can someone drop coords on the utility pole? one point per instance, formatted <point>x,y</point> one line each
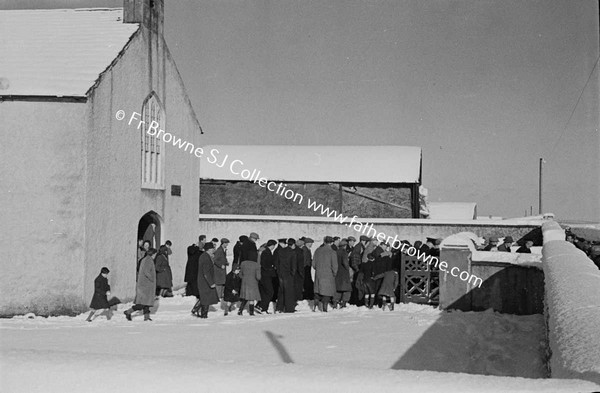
<point>540,187</point>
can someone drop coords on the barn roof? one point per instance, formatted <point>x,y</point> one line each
<point>349,164</point>
<point>58,52</point>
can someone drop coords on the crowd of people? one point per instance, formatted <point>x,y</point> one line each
<point>275,276</point>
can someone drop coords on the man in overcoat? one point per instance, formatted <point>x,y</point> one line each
<point>268,276</point>
<point>286,266</point>
<point>206,280</point>
<point>145,288</point>
<point>355,260</point>
<point>309,286</point>
<point>326,267</point>
<point>343,285</point>
<point>220,261</point>
<point>191,267</point>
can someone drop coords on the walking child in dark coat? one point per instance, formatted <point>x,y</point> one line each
<point>233,285</point>
<point>101,294</point>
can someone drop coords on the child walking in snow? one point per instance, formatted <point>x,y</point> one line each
<point>100,300</point>
<point>233,285</point>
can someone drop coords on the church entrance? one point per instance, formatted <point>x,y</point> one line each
<point>149,228</point>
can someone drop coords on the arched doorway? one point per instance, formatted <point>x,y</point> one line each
<point>149,228</point>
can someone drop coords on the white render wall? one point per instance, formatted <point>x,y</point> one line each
<point>116,201</point>
<point>42,200</point>
<point>572,302</point>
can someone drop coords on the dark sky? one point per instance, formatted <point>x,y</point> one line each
<point>486,88</point>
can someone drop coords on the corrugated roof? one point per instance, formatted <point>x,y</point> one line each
<point>350,164</point>
<point>58,52</point>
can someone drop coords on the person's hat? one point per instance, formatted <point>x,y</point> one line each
<point>431,240</point>
<point>215,240</point>
<point>364,238</point>
<point>291,241</point>
<point>282,240</point>
<point>308,240</point>
<point>493,239</point>
<point>508,239</point>
<point>104,270</point>
<point>328,239</point>
<point>271,242</point>
<point>343,242</point>
<point>243,238</point>
<point>254,235</point>
<point>336,238</point>
<point>209,246</point>
<point>224,240</point>
<point>437,242</point>
<point>351,239</point>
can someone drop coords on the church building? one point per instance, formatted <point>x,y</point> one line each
<point>81,183</point>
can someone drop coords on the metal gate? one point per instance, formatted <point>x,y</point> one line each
<point>419,283</point>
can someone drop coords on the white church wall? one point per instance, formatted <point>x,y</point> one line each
<point>116,201</point>
<point>42,199</point>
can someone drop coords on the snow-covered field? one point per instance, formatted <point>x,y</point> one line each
<point>414,348</point>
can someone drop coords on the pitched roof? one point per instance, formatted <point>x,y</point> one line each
<point>348,164</point>
<point>58,52</point>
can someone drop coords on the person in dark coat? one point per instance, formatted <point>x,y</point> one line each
<point>220,261</point>
<point>191,268</point>
<point>299,275</point>
<point>206,280</point>
<point>286,265</point>
<point>268,276</point>
<point>355,262</point>
<point>249,293</point>
<point>343,285</point>
<point>237,251</point>
<point>164,276</point>
<point>233,285</point>
<point>249,251</point>
<point>505,246</point>
<point>308,292</point>
<point>101,294</point>
<point>365,283</point>
<point>387,291</point>
<point>146,244</point>
<point>145,288</point>
<point>525,248</point>
<point>326,266</point>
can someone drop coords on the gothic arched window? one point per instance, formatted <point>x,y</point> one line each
<point>152,148</point>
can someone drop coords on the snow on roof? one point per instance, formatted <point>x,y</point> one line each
<point>351,164</point>
<point>58,52</point>
<point>452,210</point>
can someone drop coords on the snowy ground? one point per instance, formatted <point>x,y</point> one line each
<point>342,351</point>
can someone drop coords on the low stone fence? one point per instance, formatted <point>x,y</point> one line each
<point>512,283</point>
<point>572,308</point>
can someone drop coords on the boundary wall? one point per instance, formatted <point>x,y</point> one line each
<point>572,307</point>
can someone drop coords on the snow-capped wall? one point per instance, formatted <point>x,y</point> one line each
<point>572,285</point>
